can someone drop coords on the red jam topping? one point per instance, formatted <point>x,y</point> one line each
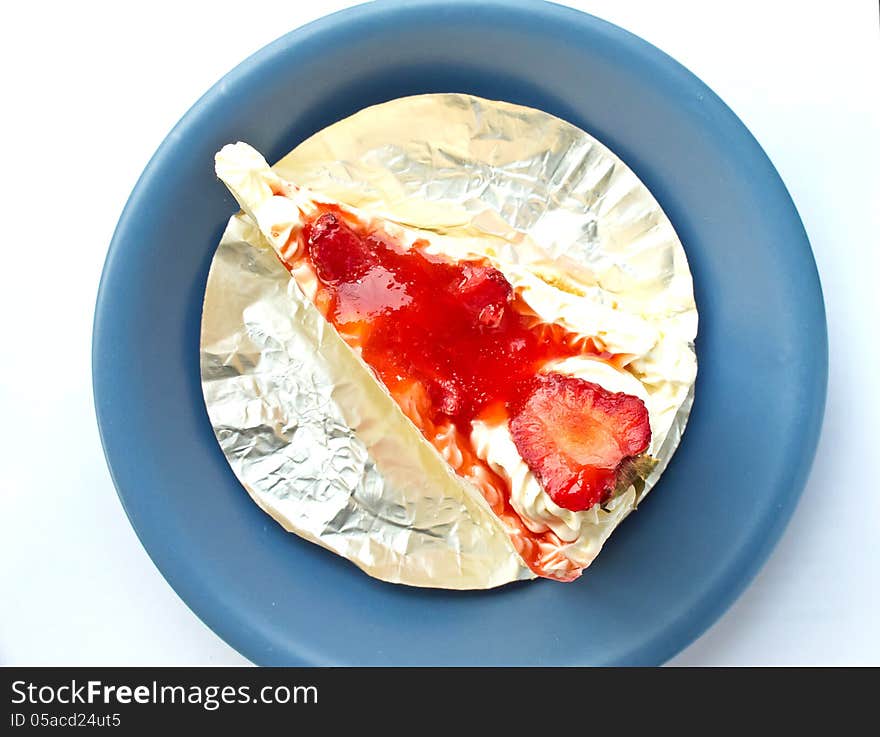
<point>455,327</point>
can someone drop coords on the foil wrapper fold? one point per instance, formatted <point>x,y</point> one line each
<point>313,437</point>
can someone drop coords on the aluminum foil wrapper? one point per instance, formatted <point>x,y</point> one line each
<point>315,440</point>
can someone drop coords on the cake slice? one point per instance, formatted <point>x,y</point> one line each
<point>526,393</point>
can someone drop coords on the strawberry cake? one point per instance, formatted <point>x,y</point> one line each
<point>546,402</point>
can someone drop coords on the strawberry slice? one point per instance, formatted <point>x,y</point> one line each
<point>484,292</point>
<point>578,438</point>
<point>338,253</point>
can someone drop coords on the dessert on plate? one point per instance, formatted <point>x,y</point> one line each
<point>545,400</point>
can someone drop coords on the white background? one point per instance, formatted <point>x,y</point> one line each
<point>89,91</point>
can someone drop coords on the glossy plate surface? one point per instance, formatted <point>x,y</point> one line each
<point>674,566</point>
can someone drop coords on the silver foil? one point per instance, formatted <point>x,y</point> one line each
<point>314,439</point>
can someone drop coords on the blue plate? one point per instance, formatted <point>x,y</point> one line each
<point>673,567</point>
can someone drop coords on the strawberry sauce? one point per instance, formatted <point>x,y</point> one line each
<point>454,327</point>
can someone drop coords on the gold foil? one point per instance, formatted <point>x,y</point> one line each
<point>313,437</point>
